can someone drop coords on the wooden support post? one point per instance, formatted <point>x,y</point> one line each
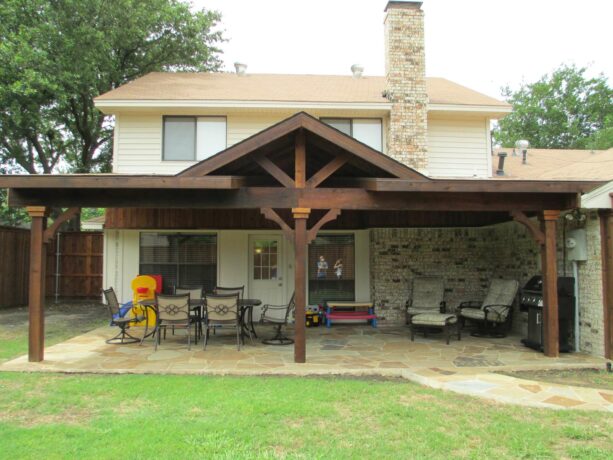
<point>300,246</point>
<point>549,262</point>
<point>606,241</point>
<point>38,259</point>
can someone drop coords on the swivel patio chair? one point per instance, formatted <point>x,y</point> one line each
<point>279,316</point>
<point>118,318</point>
<point>426,297</point>
<point>493,315</point>
<point>173,311</point>
<point>221,310</point>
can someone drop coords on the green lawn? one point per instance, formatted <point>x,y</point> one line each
<point>139,416</point>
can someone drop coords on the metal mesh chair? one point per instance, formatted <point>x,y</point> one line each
<point>173,310</point>
<point>118,319</point>
<point>221,310</point>
<point>279,316</point>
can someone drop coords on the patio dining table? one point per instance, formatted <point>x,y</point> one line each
<point>196,305</point>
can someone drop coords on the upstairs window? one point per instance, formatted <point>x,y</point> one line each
<point>366,130</point>
<point>193,138</point>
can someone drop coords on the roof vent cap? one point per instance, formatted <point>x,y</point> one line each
<point>240,67</point>
<point>357,70</point>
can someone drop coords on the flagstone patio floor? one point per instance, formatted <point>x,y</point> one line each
<point>465,366</point>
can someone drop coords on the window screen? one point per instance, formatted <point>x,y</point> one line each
<point>191,138</point>
<point>366,130</point>
<point>181,259</point>
<point>342,124</point>
<point>331,268</point>
<point>179,138</point>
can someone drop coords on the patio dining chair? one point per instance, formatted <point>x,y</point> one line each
<point>118,318</point>
<point>221,310</point>
<point>196,294</point>
<point>278,315</point>
<point>173,310</point>
<point>492,315</point>
<point>427,296</point>
<point>240,290</point>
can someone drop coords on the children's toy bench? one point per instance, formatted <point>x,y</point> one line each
<point>350,310</point>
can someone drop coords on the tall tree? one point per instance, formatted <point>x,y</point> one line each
<point>57,55</point>
<point>562,110</point>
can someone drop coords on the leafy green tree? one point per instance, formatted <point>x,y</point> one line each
<point>561,110</point>
<point>57,55</point>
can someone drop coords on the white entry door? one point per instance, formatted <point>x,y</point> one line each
<point>266,270</point>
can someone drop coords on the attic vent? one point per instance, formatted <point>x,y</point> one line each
<point>357,70</point>
<point>240,68</point>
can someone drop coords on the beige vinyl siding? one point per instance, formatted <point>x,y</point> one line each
<point>458,147</point>
<point>138,137</point>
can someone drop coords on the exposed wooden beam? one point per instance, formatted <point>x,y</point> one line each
<point>120,181</point>
<point>606,248</point>
<point>52,230</point>
<point>275,171</point>
<point>476,185</point>
<point>300,285</point>
<point>327,171</point>
<point>331,215</point>
<point>549,264</point>
<point>286,198</point>
<point>532,227</point>
<point>36,294</point>
<point>272,215</point>
<point>300,159</point>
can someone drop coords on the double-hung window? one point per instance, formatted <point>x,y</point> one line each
<point>366,130</point>
<point>193,138</point>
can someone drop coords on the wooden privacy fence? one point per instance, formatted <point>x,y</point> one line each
<point>79,265</point>
<point>14,264</point>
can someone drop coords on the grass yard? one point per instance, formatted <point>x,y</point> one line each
<point>144,416</point>
<point>592,378</point>
<point>139,416</point>
<point>62,321</point>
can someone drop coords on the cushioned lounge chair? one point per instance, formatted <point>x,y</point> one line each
<point>426,297</point>
<point>492,315</point>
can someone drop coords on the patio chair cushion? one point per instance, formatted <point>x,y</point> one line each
<point>501,292</point>
<point>434,319</point>
<point>496,314</point>
<point>417,311</point>
<point>427,294</point>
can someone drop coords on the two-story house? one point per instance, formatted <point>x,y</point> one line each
<point>166,122</point>
<point>223,179</point>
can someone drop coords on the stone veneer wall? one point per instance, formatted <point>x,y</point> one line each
<point>405,69</point>
<point>467,258</point>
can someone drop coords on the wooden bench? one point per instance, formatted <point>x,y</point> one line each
<point>350,310</point>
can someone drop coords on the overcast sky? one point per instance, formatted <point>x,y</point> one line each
<point>483,44</point>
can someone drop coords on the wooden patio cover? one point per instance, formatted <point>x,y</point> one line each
<point>299,164</point>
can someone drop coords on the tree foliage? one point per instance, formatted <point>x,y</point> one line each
<point>563,110</point>
<point>57,55</point>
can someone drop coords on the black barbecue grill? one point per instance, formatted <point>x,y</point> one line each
<point>531,300</point>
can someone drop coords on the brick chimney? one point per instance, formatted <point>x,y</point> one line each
<point>405,72</point>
